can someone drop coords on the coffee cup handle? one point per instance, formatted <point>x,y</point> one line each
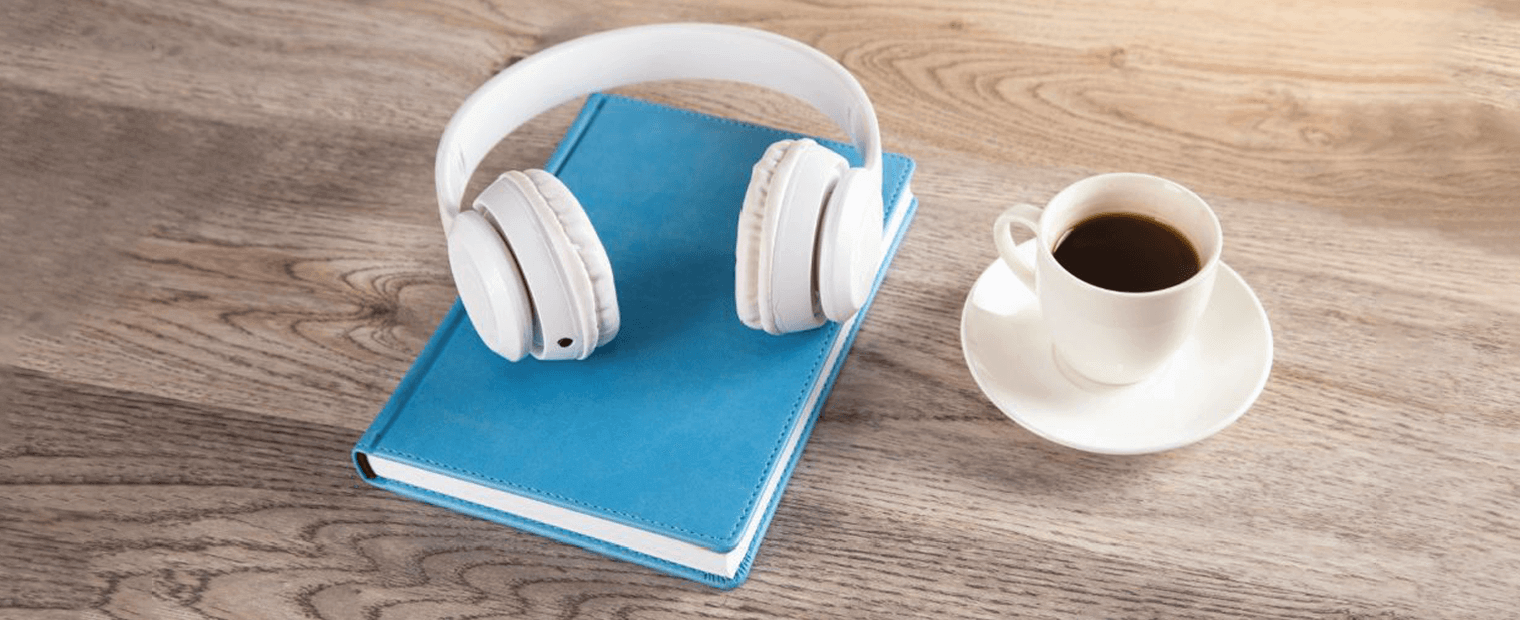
<point>1025,215</point>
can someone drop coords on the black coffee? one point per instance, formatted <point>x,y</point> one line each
<point>1127,252</point>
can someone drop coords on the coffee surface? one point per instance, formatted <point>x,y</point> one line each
<point>1127,252</point>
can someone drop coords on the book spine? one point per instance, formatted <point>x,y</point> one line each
<point>397,402</point>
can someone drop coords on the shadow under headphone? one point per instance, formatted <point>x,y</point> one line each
<point>530,269</point>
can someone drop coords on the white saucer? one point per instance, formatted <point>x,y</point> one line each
<point>1212,380</point>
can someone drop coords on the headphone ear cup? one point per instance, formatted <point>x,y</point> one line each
<point>490,285</point>
<point>564,304</point>
<point>850,246</point>
<point>775,255</point>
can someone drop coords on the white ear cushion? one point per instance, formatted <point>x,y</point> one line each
<point>583,237</point>
<point>748,244</point>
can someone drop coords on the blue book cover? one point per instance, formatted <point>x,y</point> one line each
<point>671,445</point>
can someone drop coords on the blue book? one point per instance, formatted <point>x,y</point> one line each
<point>671,445</point>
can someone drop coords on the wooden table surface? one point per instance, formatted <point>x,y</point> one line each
<point>219,252</point>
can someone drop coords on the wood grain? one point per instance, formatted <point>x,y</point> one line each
<point>220,255</point>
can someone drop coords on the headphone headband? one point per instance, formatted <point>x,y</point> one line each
<point>645,54</point>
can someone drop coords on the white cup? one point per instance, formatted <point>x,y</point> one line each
<point>1104,335</point>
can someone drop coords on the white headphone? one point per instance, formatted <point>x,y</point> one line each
<point>530,268</point>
